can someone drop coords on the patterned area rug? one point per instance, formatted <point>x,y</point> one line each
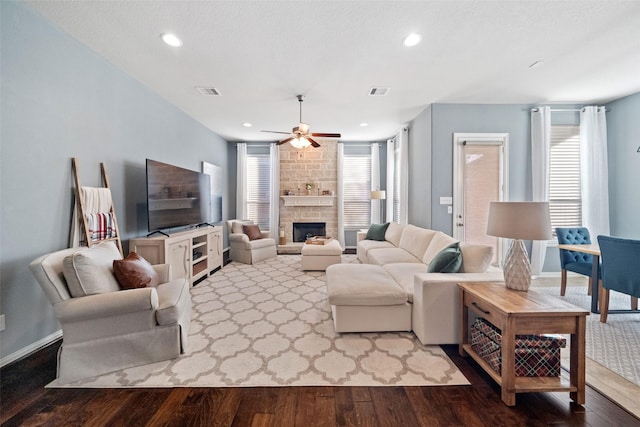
<point>615,344</point>
<point>270,325</point>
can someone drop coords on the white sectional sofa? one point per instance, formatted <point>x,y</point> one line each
<point>393,289</point>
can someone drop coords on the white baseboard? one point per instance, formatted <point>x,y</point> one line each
<point>31,348</point>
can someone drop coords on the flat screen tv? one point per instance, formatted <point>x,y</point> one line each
<point>176,197</point>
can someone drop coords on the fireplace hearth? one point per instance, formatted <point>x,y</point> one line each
<point>305,230</point>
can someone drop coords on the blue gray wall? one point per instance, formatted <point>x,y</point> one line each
<point>62,100</point>
<point>623,139</point>
<point>420,170</point>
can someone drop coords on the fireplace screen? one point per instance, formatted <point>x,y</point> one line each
<point>305,230</point>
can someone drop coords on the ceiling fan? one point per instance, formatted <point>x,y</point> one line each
<point>300,137</point>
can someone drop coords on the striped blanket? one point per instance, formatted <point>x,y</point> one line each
<point>101,226</point>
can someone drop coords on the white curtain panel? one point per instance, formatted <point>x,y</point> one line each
<point>375,182</point>
<point>403,141</point>
<point>341,195</point>
<point>241,181</point>
<point>594,173</point>
<point>390,173</point>
<point>540,148</point>
<point>274,205</point>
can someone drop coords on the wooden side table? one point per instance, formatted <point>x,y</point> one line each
<point>515,313</point>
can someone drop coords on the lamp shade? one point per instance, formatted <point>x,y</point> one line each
<point>519,220</point>
<point>378,194</point>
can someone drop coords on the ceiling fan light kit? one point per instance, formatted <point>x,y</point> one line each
<point>300,142</point>
<point>300,137</point>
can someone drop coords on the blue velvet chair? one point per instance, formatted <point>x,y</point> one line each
<point>574,261</point>
<point>620,270</point>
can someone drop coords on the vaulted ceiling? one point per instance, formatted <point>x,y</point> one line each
<point>260,54</point>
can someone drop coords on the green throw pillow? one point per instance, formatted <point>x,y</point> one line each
<point>448,260</point>
<point>377,231</point>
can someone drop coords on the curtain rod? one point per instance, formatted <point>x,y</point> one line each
<point>575,110</point>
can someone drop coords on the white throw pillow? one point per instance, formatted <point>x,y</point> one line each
<point>90,271</point>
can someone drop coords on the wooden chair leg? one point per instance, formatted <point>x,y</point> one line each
<point>563,282</point>
<point>604,305</point>
<point>589,289</point>
<point>634,303</point>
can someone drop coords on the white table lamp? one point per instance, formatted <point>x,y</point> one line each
<point>519,221</point>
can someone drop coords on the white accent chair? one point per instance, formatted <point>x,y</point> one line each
<point>249,251</point>
<point>111,329</point>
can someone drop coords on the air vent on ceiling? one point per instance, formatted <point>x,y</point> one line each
<point>378,91</point>
<point>209,91</point>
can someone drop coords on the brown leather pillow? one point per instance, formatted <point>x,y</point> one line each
<point>252,231</point>
<point>135,272</point>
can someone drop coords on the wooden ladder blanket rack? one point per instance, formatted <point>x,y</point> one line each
<point>82,208</point>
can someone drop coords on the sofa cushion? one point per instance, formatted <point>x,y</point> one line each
<point>382,256</point>
<point>438,243</point>
<point>404,273</point>
<point>354,284</point>
<point>447,260</point>
<point>394,233</point>
<point>135,272</point>
<point>377,231</point>
<point>416,240</point>
<point>475,258</point>
<point>252,231</point>
<point>364,246</point>
<point>90,271</point>
<point>261,243</point>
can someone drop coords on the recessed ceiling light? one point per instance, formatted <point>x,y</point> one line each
<point>247,124</point>
<point>412,39</point>
<point>171,39</point>
<point>363,124</point>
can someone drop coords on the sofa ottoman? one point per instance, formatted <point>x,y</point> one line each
<point>319,257</point>
<point>365,298</point>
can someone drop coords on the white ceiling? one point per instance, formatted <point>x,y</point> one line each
<point>260,54</point>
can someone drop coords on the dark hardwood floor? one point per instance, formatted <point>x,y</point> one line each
<point>25,401</point>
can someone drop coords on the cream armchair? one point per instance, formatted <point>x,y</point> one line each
<point>115,329</point>
<point>247,251</point>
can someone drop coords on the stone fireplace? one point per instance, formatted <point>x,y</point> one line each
<point>314,166</point>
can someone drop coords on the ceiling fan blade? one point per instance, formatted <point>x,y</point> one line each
<point>284,141</point>
<point>327,135</point>
<point>275,131</point>
<point>314,143</point>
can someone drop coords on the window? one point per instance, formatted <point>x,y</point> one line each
<point>258,189</point>
<point>357,188</point>
<point>565,201</point>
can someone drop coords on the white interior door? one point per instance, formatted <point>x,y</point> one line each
<point>480,168</point>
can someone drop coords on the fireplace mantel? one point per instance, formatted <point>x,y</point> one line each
<point>308,200</point>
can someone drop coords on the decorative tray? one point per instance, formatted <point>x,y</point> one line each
<point>318,240</point>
